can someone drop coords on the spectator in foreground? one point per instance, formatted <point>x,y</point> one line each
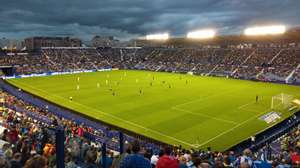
<point>16,161</point>
<point>90,158</point>
<point>247,157</point>
<point>117,160</point>
<point>36,162</point>
<point>70,160</point>
<point>182,162</point>
<point>167,161</point>
<point>3,163</point>
<point>136,159</point>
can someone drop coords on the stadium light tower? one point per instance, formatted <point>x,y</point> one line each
<point>265,30</point>
<point>162,36</point>
<point>201,34</point>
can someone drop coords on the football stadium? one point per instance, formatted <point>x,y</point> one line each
<point>178,109</point>
<point>221,97</point>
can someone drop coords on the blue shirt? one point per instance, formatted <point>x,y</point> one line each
<point>108,161</point>
<point>261,164</point>
<point>182,165</point>
<point>135,161</point>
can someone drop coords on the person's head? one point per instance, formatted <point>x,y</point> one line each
<point>226,160</point>
<point>128,151</point>
<point>36,162</point>
<point>13,128</point>
<point>161,153</point>
<point>5,146</point>
<point>182,160</point>
<point>5,132</point>
<point>8,153</point>
<point>3,163</point>
<point>135,146</point>
<point>244,165</point>
<point>67,156</point>
<point>167,150</point>
<point>204,165</point>
<point>197,161</point>
<point>219,164</point>
<point>17,157</point>
<point>90,156</point>
<point>247,152</point>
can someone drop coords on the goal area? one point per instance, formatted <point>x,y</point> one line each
<point>282,102</point>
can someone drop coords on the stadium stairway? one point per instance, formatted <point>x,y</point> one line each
<point>276,55</point>
<point>289,78</point>
<point>244,62</point>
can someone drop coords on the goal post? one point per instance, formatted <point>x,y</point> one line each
<point>281,101</point>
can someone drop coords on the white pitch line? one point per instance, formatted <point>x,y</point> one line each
<point>206,116</point>
<point>118,118</point>
<point>255,111</point>
<point>231,129</point>
<point>242,106</point>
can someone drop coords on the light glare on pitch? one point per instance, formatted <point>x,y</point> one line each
<point>265,30</point>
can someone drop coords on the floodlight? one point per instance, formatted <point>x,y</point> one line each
<point>201,34</point>
<point>163,36</point>
<point>265,30</point>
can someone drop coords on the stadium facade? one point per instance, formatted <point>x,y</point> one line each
<point>35,43</point>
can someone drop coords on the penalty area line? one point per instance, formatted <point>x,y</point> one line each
<point>232,129</point>
<point>204,115</point>
<point>245,105</point>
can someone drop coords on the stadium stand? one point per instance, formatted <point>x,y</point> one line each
<point>268,63</point>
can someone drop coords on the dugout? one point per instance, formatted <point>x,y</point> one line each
<point>7,70</point>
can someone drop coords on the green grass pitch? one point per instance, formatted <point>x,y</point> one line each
<point>192,111</point>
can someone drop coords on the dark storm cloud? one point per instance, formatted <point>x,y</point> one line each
<point>133,18</point>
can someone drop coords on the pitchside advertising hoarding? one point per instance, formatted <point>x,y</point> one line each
<point>57,73</point>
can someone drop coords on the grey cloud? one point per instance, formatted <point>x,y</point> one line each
<point>132,18</point>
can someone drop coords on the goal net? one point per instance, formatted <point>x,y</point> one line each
<point>282,101</point>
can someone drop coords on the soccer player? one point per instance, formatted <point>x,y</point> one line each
<point>78,79</point>
<point>106,82</point>
<point>70,98</point>
<point>141,91</point>
<point>169,86</point>
<point>77,87</point>
<point>256,98</point>
<point>98,85</point>
<point>113,93</point>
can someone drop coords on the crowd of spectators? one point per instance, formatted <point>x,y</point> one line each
<point>270,63</point>
<point>27,139</point>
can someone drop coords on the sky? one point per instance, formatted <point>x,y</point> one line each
<point>127,19</point>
